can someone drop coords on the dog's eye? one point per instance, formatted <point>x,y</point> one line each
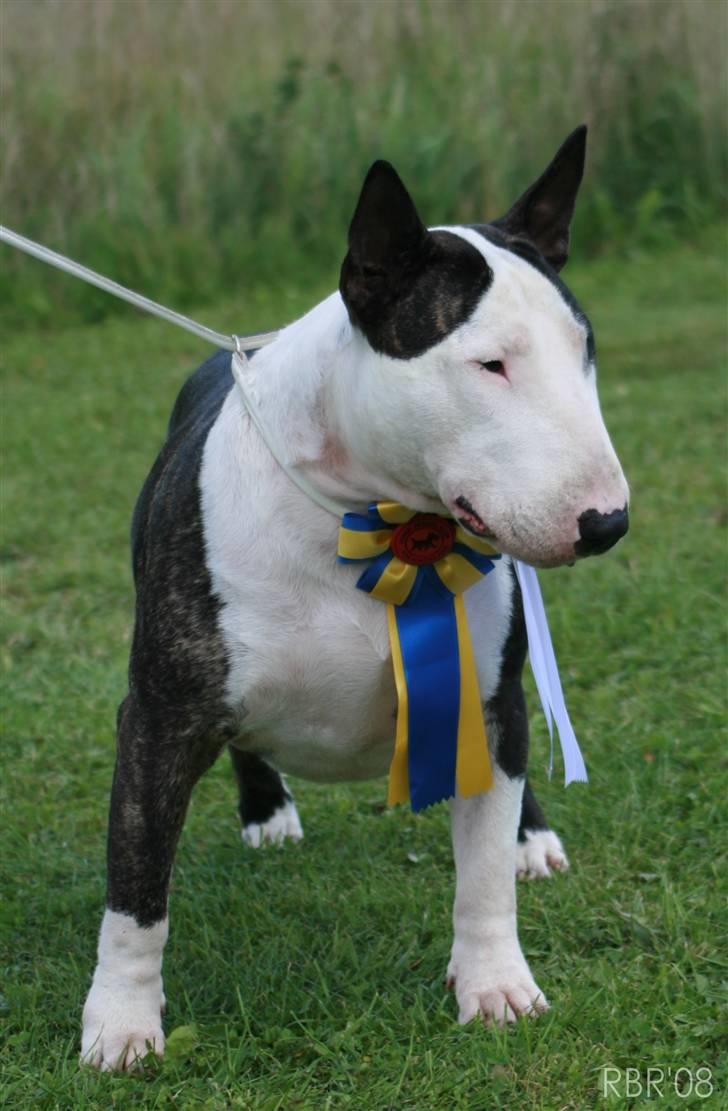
<point>495,366</point>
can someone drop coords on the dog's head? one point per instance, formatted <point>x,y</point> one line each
<point>477,384</point>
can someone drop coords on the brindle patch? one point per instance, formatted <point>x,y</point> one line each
<point>532,816</point>
<point>507,715</point>
<point>262,790</point>
<point>507,708</point>
<point>174,721</point>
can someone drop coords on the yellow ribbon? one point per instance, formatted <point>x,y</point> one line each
<point>473,772</point>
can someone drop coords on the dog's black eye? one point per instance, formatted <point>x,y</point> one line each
<point>495,366</point>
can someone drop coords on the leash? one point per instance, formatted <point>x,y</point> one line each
<point>237,345</point>
<point>540,648</point>
<point>61,262</point>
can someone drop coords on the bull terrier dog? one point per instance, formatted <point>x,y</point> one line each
<point>452,373</point>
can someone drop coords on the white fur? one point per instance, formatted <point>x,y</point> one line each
<point>538,854</point>
<point>283,825</point>
<point>122,1015</point>
<point>487,968</point>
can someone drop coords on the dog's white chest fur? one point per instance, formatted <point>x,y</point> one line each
<point>310,668</point>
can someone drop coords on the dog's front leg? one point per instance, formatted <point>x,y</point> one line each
<point>155,773</point>
<point>487,967</point>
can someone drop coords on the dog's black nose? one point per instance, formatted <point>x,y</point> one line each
<point>600,531</point>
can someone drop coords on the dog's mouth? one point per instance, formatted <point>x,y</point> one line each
<point>471,520</point>
<point>467,516</point>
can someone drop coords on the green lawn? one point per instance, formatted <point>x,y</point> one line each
<point>311,976</point>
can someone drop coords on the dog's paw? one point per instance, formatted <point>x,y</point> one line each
<point>499,990</point>
<point>119,1029</point>
<point>541,852</point>
<point>122,1014</point>
<point>502,1003</point>
<point>283,825</point>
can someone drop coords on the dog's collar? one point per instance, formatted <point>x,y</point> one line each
<point>250,401</point>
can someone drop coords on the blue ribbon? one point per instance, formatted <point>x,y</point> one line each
<point>428,636</point>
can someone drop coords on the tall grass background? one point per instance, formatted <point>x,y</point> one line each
<point>194,147</point>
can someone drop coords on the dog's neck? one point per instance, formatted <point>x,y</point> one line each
<point>305,387</point>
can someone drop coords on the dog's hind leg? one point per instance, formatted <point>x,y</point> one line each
<point>539,849</point>
<point>267,811</point>
<point>156,768</point>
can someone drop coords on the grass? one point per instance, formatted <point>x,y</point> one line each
<point>311,977</point>
<point>182,145</point>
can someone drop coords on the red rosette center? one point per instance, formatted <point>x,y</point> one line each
<point>424,539</point>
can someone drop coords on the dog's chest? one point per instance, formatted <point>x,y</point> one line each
<point>315,684</point>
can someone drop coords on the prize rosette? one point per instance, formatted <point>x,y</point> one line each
<point>420,564</point>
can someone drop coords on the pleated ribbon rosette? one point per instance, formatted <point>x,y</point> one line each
<point>420,564</point>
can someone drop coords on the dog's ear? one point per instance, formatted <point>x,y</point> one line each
<point>543,214</point>
<point>388,244</point>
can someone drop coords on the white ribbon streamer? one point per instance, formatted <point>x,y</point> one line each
<point>546,674</point>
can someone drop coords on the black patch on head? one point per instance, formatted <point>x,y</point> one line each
<point>404,287</point>
<point>530,254</point>
<point>405,314</point>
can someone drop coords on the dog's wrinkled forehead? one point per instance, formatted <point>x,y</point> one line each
<point>522,249</point>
